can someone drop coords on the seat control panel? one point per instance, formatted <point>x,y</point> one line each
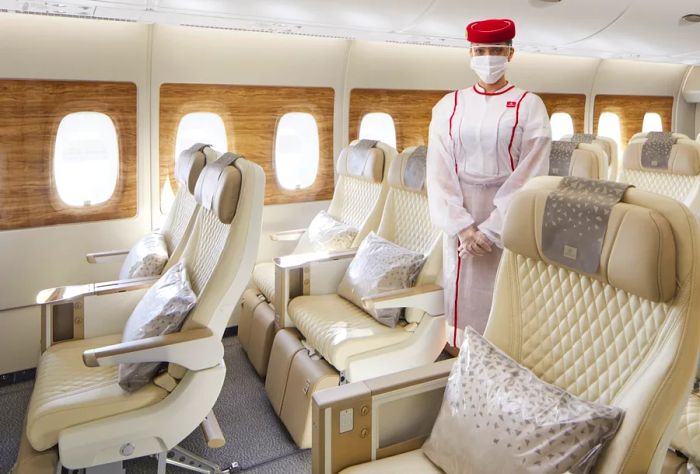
<point>346,420</point>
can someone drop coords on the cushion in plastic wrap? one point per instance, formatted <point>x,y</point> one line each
<point>327,233</point>
<point>378,267</point>
<point>162,310</point>
<point>513,421</point>
<point>146,258</point>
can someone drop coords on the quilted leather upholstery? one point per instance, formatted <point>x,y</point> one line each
<point>354,200</point>
<point>672,185</point>
<point>67,393</point>
<point>687,439</point>
<point>211,238</point>
<point>338,329</point>
<point>406,221</point>
<point>179,218</point>
<point>411,462</point>
<point>264,279</point>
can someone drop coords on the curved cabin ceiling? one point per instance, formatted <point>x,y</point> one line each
<point>630,29</point>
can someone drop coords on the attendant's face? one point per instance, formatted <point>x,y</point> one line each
<point>491,50</point>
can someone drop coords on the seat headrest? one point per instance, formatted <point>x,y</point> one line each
<point>190,163</point>
<point>408,170</point>
<point>219,186</point>
<point>675,135</point>
<point>362,159</point>
<point>683,158</point>
<point>571,158</point>
<point>638,251</point>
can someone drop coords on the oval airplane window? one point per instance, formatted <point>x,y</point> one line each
<point>86,159</point>
<point>296,150</point>
<point>378,126</point>
<point>562,124</point>
<point>652,123</point>
<point>201,127</point>
<point>609,126</point>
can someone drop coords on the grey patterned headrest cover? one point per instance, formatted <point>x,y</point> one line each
<point>358,156</point>
<point>218,187</point>
<point>414,171</point>
<point>189,164</point>
<point>560,157</point>
<point>656,150</point>
<point>583,138</point>
<point>576,219</point>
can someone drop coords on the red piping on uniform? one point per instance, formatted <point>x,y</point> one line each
<point>493,93</point>
<point>454,110</point>
<point>512,133</point>
<point>459,269</point>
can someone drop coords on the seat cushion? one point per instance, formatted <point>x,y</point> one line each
<point>264,279</point>
<point>67,393</point>
<point>338,329</point>
<point>687,439</point>
<point>412,462</point>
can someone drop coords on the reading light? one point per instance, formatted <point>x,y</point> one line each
<point>691,17</point>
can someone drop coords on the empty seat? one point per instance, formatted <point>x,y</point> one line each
<point>77,406</point>
<point>671,169</point>
<point>606,143</point>
<point>357,201</point>
<point>624,334</point>
<point>579,159</point>
<point>348,343</point>
<point>181,215</point>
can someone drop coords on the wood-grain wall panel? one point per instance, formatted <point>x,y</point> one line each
<point>410,109</point>
<point>572,104</point>
<point>250,114</point>
<point>631,110</point>
<point>30,113</point>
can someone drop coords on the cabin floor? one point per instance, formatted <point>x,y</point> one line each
<point>255,437</point>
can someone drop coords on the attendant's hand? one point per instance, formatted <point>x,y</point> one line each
<point>473,242</point>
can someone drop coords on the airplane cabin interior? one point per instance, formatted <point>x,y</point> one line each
<point>297,236</point>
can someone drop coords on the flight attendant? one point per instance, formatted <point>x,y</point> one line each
<point>485,142</point>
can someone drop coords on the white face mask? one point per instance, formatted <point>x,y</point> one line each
<point>489,68</point>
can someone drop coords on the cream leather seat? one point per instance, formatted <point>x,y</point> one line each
<point>344,342</point>
<point>586,161</point>
<point>78,410</point>
<point>627,335</point>
<point>681,181</point>
<point>183,212</point>
<point>608,145</point>
<point>358,200</point>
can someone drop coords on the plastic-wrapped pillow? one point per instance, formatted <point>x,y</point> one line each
<point>147,258</point>
<point>161,311</point>
<point>327,233</point>
<point>380,266</point>
<point>497,417</point>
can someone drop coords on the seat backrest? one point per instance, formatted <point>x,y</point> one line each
<point>181,216</point>
<point>222,249</point>
<point>680,180</point>
<point>625,334</point>
<point>405,220</point>
<point>360,189</point>
<point>608,145</point>
<point>586,160</point>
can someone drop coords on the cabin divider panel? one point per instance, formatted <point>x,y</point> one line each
<point>250,115</point>
<point>411,111</point>
<point>572,104</point>
<point>631,110</point>
<point>30,114</point>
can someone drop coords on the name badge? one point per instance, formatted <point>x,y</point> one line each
<point>511,104</point>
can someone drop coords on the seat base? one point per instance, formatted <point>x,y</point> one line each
<point>411,462</point>
<point>256,329</point>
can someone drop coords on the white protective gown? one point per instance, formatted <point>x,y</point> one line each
<point>482,148</point>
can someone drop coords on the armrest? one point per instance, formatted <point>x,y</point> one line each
<point>287,235</point>
<point>94,257</point>
<point>290,262</point>
<point>370,404</point>
<point>65,294</point>
<point>429,298</point>
<point>195,349</point>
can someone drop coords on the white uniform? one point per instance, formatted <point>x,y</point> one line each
<point>482,148</point>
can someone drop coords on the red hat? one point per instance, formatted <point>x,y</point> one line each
<point>491,31</point>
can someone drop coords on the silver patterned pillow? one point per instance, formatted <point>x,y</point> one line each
<point>327,233</point>
<point>497,417</point>
<point>161,311</point>
<point>146,258</point>
<point>380,266</point>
